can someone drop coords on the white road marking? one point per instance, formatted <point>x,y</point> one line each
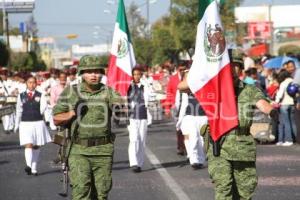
<point>169,181</point>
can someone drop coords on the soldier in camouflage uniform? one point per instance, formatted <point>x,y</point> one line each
<point>234,171</point>
<point>87,107</point>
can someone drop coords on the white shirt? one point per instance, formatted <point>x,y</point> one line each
<point>184,104</point>
<point>282,96</point>
<point>248,63</point>
<point>148,82</point>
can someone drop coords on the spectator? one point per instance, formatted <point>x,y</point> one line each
<point>287,126</point>
<point>248,62</point>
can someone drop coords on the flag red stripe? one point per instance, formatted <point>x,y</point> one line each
<point>218,100</point>
<point>117,78</point>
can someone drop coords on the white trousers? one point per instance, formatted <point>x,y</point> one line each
<point>191,126</point>
<point>8,122</point>
<point>49,118</point>
<point>137,141</point>
<point>149,117</point>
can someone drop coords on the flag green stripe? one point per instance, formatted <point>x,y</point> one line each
<point>122,20</point>
<point>203,4</point>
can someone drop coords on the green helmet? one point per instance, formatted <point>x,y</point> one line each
<point>89,62</point>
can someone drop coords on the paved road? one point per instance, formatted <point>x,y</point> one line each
<point>165,175</point>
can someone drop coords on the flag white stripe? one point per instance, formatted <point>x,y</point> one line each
<point>202,71</point>
<point>127,62</point>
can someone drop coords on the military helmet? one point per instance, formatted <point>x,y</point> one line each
<point>89,62</point>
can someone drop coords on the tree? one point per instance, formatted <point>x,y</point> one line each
<point>179,28</point>
<point>27,62</point>
<point>4,54</point>
<point>144,51</point>
<point>137,23</point>
<point>233,31</point>
<point>1,23</point>
<point>289,49</point>
<point>104,60</point>
<point>174,33</point>
<point>163,41</point>
<point>14,31</point>
<point>142,43</point>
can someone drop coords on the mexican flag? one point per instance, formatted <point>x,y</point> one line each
<point>122,58</point>
<point>210,76</point>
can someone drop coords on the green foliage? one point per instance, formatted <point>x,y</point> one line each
<point>104,60</point>
<point>144,50</point>
<point>173,33</point>
<point>27,62</point>
<point>184,20</point>
<point>1,23</point>
<point>227,14</point>
<point>287,49</point>
<point>4,54</point>
<point>163,41</point>
<point>137,23</point>
<point>14,31</point>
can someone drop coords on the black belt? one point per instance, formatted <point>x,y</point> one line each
<point>90,142</point>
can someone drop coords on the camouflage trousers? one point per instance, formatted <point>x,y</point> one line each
<point>233,180</point>
<point>90,177</point>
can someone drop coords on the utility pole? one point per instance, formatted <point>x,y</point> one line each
<point>5,24</point>
<point>271,48</point>
<point>148,19</point>
<point>6,29</point>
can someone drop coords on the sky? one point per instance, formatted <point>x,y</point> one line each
<point>86,18</point>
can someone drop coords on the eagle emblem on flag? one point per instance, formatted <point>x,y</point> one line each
<point>122,48</point>
<point>214,42</point>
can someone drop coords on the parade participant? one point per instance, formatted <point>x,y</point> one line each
<point>57,89</point>
<point>190,120</point>
<point>72,78</point>
<point>290,67</point>
<point>233,171</point>
<point>33,132</point>
<point>138,96</point>
<point>49,81</point>
<point>248,62</point>
<point>147,81</point>
<point>7,89</point>
<point>287,126</point>
<point>170,102</point>
<point>54,94</point>
<point>87,109</point>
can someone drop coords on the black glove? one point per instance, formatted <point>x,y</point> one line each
<point>274,114</point>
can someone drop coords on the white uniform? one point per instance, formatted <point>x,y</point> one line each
<point>6,87</point>
<point>190,125</point>
<point>137,135</point>
<point>45,89</point>
<point>32,132</point>
<point>148,82</point>
<point>35,132</point>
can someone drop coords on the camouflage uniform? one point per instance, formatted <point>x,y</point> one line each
<point>234,171</point>
<point>90,164</point>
